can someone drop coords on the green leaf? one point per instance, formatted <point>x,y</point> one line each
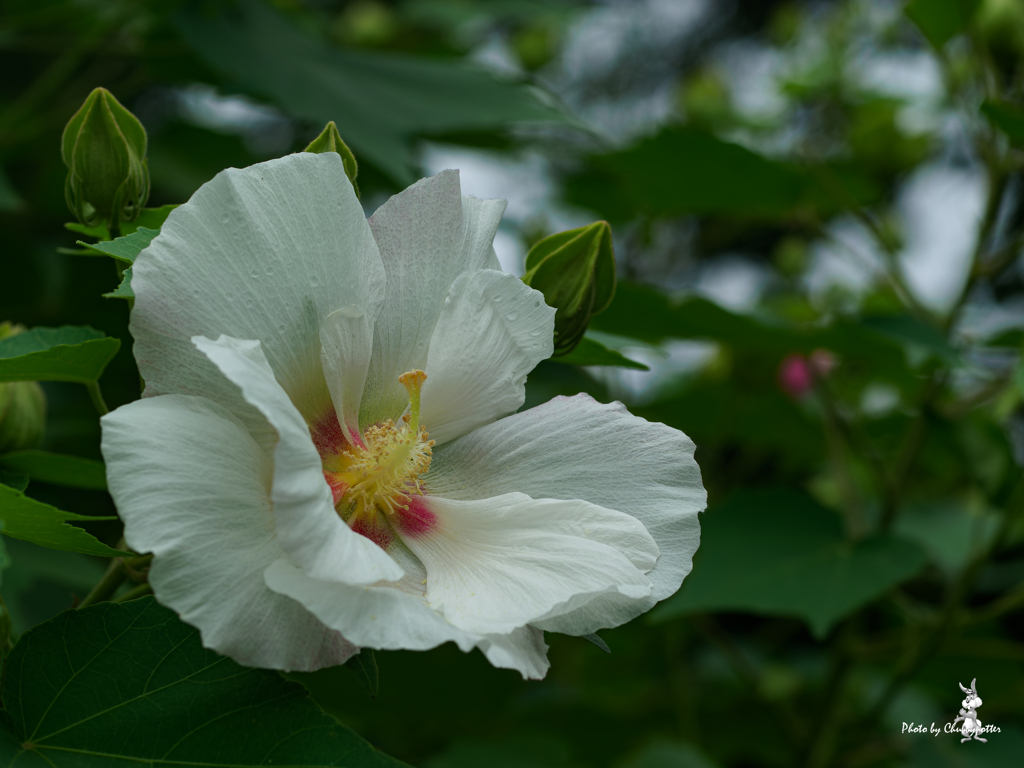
<point>41,524</point>
<point>645,313</point>
<point>133,683</point>
<point>56,468</point>
<point>364,665</point>
<point>379,101</point>
<point>40,582</point>
<point>124,288</point>
<point>98,231</point>
<point>778,552</point>
<point>9,199</point>
<point>592,352</point>
<point>941,20</point>
<point>910,331</point>
<point>15,480</point>
<point>1008,118</point>
<point>5,615</point>
<point>5,619</point>
<point>948,530</point>
<point>68,353</point>
<point>510,751</point>
<point>685,170</point>
<point>149,218</point>
<point>666,754</point>
<point>126,248</point>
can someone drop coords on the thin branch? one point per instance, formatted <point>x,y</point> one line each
<point>97,398</point>
<point>108,585</point>
<point>746,672</point>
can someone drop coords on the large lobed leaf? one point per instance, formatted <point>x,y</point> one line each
<point>645,313</point>
<point>683,170</point>
<point>68,353</point>
<point>31,520</point>
<point>379,101</point>
<point>778,552</point>
<point>130,684</point>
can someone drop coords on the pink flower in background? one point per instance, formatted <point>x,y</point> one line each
<point>797,373</point>
<point>795,376</point>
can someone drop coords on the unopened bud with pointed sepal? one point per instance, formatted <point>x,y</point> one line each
<point>22,408</point>
<point>104,148</point>
<point>330,141</point>
<point>575,270</point>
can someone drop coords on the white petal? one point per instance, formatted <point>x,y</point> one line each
<point>266,252</point>
<point>492,332</point>
<point>309,530</point>
<point>192,488</point>
<point>523,650</point>
<point>497,564</point>
<point>480,220</point>
<point>428,235</point>
<point>576,448</point>
<point>346,342</point>
<point>390,617</point>
<point>382,617</point>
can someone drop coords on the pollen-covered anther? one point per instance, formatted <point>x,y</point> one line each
<point>384,473</point>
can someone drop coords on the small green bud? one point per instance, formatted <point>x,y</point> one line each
<point>104,148</point>
<point>1001,25</point>
<point>330,141</point>
<point>575,270</point>
<point>22,408</point>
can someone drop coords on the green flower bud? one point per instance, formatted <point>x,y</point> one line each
<point>22,408</point>
<point>575,270</point>
<point>330,141</point>
<point>104,148</point>
<point>1001,25</point>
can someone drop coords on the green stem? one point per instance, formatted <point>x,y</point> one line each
<point>994,610</point>
<point>892,274</point>
<point>97,398</point>
<point>822,742</point>
<point>786,718</point>
<point>835,437</point>
<point>952,608</point>
<point>108,585</point>
<point>680,682</point>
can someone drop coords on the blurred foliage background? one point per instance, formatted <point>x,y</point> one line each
<point>818,215</point>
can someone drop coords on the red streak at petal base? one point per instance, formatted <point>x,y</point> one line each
<point>417,519</point>
<point>374,531</point>
<point>328,436</point>
<point>337,487</point>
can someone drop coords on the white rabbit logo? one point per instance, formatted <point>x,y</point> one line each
<point>969,714</point>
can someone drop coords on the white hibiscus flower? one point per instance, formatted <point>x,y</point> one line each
<point>324,458</point>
